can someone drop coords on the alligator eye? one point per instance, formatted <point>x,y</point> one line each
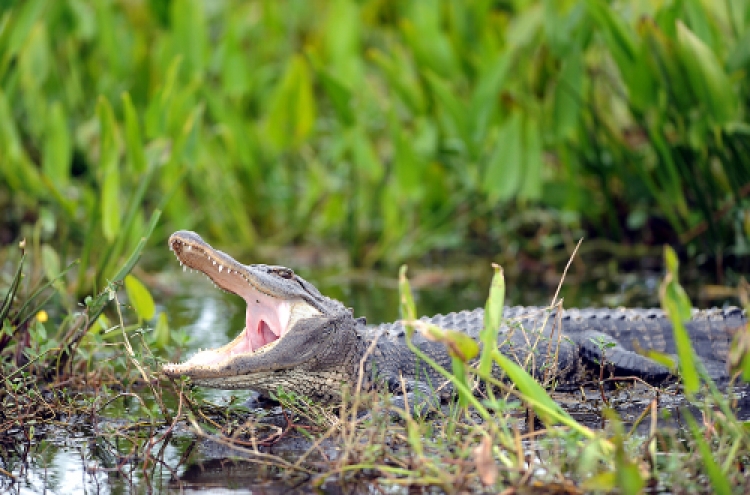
<point>284,273</point>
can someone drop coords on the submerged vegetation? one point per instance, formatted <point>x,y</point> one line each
<point>389,130</point>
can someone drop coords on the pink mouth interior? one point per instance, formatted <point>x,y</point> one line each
<point>266,319</point>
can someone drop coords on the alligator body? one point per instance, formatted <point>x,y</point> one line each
<point>312,345</point>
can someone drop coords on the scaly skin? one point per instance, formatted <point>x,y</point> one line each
<point>312,345</point>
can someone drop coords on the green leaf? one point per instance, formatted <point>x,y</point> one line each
<point>408,166</point>
<point>485,100</point>
<point>531,185</point>
<point>459,345</point>
<point>493,315</point>
<point>619,38</point>
<point>719,482</point>
<point>111,205</point>
<point>707,77</point>
<point>50,262</point>
<point>161,331</point>
<point>401,78</point>
<point>454,113</point>
<point>547,409</point>
<point>671,260</point>
<point>504,168</point>
<point>57,148</point>
<point>364,155</point>
<point>407,306</point>
<point>291,114</point>
<point>140,298</point>
<point>23,18</point>
<point>133,142</point>
<point>677,306</point>
<point>568,95</point>
<point>109,153</point>
<point>340,96</point>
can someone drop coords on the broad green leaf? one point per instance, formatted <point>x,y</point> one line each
<point>525,26</point>
<point>340,97</point>
<point>547,409</point>
<point>408,166</point>
<point>493,315</point>
<point>486,98</point>
<point>707,77</point>
<point>699,20</point>
<point>364,156</point>
<point>531,184</point>
<point>342,37</point>
<point>459,344</point>
<point>627,51</point>
<point>503,174</point>
<point>739,56</point>
<point>50,262</point>
<point>133,142</point>
<point>659,52</point>
<point>619,38</point>
<point>109,153</point>
<point>454,113</point>
<point>428,42</point>
<point>140,298</point>
<point>110,204</point>
<point>189,27</point>
<point>677,306</point>
<point>161,331</point>
<point>568,95</point>
<point>22,20</point>
<point>157,110</point>
<point>57,148</point>
<point>671,260</point>
<point>401,78</point>
<point>291,114</point>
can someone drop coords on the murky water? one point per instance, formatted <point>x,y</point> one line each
<point>87,461</point>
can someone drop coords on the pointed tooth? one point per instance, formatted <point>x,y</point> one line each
<point>220,268</point>
<point>184,268</point>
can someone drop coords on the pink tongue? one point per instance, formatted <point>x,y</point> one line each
<point>263,336</point>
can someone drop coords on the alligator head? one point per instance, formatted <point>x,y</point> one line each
<point>290,328</point>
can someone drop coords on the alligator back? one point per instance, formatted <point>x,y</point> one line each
<point>617,337</point>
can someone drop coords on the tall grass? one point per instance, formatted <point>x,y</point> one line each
<point>391,127</point>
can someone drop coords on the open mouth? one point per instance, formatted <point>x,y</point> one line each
<point>267,318</point>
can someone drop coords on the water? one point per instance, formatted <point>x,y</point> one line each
<point>85,456</point>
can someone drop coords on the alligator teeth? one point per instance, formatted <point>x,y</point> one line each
<point>184,268</point>
<point>220,268</point>
<point>189,247</point>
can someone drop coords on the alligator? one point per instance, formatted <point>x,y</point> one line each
<point>306,343</point>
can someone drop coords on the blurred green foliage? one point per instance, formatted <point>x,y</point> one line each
<point>391,127</point>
